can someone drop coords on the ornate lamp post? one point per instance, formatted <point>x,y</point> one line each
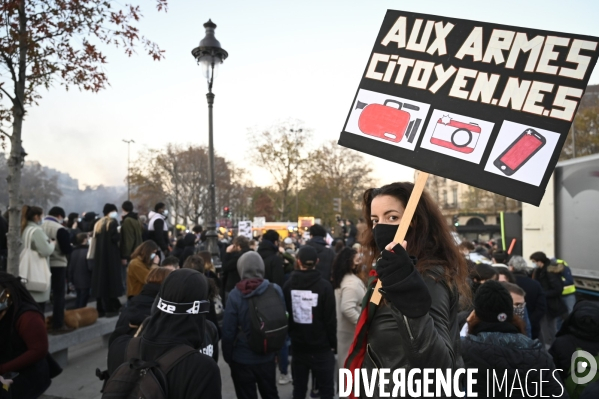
<point>209,54</point>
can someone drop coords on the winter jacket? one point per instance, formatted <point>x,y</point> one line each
<point>515,355</point>
<point>536,303</point>
<point>136,311</point>
<point>106,277</point>
<point>236,327</point>
<point>551,281</point>
<point>579,331</point>
<point>158,230</point>
<point>130,235</point>
<point>44,247</point>
<point>348,300</point>
<point>62,247</point>
<point>229,269</point>
<point>312,329</point>
<point>415,325</point>
<point>273,262</point>
<point>80,268</point>
<point>326,255</point>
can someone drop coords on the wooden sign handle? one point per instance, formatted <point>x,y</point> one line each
<point>406,219</point>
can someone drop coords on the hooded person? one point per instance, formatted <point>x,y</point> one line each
<point>326,254</point>
<point>580,331</point>
<point>248,368</point>
<point>273,262</point>
<point>496,342</point>
<point>179,318</point>
<point>189,247</point>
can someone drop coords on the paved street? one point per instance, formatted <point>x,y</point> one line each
<point>79,381</point>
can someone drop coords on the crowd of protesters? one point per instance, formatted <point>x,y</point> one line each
<point>290,310</point>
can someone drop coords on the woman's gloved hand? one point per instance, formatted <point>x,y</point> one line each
<point>395,264</point>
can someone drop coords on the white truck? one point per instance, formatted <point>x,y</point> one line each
<point>566,224</point>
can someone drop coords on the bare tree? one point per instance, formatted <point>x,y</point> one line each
<point>332,171</point>
<point>280,150</point>
<point>178,175</point>
<point>38,188</point>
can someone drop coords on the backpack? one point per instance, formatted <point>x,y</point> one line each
<point>268,322</point>
<point>140,379</point>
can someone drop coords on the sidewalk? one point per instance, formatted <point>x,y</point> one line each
<point>78,380</point>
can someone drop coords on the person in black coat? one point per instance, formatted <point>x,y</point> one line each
<point>551,281</point>
<point>107,283</point>
<point>80,270</point>
<point>579,331</point>
<point>189,247</point>
<point>497,343</point>
<point>234,251</point>
<point>310,302</point>
<point>268,249</point>
<point>326,254</point>
<point>139,307</point>
<point>536,304</point>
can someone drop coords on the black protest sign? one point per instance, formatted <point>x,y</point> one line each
<point>485,104</point>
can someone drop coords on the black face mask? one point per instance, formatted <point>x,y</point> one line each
<point>384,234</point>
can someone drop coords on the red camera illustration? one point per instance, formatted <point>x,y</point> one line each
<point>386,122</point>
<point>456,135</point>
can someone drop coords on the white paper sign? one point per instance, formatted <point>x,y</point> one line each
<point>259,222</point>
<point>245,229</point>
<point>302,302</point>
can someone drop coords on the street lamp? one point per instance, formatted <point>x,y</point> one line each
<point>128,167</point>
<point>209,55</point>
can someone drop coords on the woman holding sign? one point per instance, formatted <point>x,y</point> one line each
<point>415,325</point>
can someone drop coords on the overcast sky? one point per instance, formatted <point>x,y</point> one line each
<point>301,59</point>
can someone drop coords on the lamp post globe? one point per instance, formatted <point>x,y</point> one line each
<point>209,55</point>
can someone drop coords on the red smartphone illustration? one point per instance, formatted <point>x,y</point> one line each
<point>520,151</point>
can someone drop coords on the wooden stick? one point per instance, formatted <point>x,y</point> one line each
<point>406,219</point>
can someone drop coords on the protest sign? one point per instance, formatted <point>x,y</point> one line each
<point>244,228</point>
<point>484,104</point>
<point>259,222</point>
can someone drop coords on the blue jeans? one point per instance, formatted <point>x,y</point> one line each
<point>284,357</point>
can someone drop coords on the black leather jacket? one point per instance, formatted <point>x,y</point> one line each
<point>431,341</point>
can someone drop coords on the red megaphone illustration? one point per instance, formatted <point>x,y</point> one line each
<point>384,121</point>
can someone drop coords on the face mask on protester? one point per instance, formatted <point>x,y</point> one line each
<point>165,213</point>
<point>152,256</point>
<point>113,215</point>
<point>384,234</point>
<point>519,310</point>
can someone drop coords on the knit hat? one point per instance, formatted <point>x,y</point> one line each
<point>250,265</point>
<point>109,208</point>
<point>493,303</point>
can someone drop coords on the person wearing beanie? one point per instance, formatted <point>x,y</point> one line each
<point>248,368</point>
<point>496,342</point>
<point>310,303</point>
<point>273,260</point>
<point>178,318</point>
<point>107,281</point>
<point>326,254</point>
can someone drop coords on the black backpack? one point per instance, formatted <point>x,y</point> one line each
<point>268,322</point>
<point>140,379</point>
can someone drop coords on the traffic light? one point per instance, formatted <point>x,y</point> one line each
<point>337,205</point>
<point>456,220</point>
<point>226,212</point>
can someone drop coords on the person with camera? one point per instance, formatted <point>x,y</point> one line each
<point>415,324</point>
